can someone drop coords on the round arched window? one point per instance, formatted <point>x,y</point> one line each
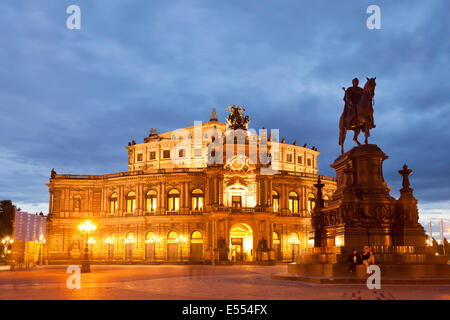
<point>311,201</point>
<point>173,200</point>
<point>151,197</point>
<point>293,202</point>
<point>197,199</point>
<point>131,201</point>
<point>275,201</point>
<point>113,203</point>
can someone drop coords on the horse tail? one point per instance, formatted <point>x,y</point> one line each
<point>342,132</point>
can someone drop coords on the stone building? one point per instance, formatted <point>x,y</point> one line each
<point>199,194</point>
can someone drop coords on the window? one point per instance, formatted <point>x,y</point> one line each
<point>198,153</point>
<point>152,155</point>
<point>181,153</point>
<point>172,236</point>
<point>196,235</point>
<point>140,157</point>
<point>293,202</point>
<point>197,199</point>
<point>150,204</point>
<point>325,201</point>
<point>275,201</point>
<point>131,201</point>
<point>289,157</point>
<point>236,202</point>
<point>173,200</point>
<point>311,202</point>
<point>300,160</point>
<point>309,162</point>
<point>113,203</point>
<point>166,154</point>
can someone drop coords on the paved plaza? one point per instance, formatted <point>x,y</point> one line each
<point>195,282</point>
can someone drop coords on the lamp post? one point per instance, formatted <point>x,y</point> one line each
<point>293,241</point>
<point>86,227</point>
<point>7,242</point>
<point>91,241</point>
<point>181,240</point>
<point>41,241</point>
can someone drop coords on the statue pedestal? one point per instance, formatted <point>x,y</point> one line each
<point>362,213</point>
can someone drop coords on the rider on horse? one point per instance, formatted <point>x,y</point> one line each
<point>351,98</point>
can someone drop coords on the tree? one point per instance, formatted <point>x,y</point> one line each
<point>7,212</point>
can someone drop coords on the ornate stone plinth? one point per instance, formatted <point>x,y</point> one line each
<point>360,213</point>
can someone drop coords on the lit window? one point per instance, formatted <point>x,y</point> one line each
<point>196,235</point>
<point>131,201</point>
<point>325,201</point>
<point>197,199</point>
<point>275,201</point>
<point>173,200</point>
<point>113,203</point>
<point>151,201</point>
<point>236,202</point>
<point>311,202</point>
<point>293,202</point>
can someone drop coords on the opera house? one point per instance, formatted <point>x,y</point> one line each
<point>210,193</point>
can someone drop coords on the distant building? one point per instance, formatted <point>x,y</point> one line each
<point>183,199</point>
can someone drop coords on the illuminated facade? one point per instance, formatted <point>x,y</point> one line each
<point>198,194</point>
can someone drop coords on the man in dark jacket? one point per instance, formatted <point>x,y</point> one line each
<point>354,260</point>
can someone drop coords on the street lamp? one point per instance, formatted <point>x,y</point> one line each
<point>293,241</point>
<point>91,241</point>
<point>181,240</point>
<point>7,242</point>
<point>86,227</point>
<point>41,241</point>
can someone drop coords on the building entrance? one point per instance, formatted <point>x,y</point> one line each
<point>241,243</point>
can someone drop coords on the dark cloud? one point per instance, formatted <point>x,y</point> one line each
<point>73,99</point>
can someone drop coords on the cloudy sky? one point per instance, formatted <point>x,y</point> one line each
<point>72,99</point>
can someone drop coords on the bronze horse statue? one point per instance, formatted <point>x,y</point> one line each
<point>363,116</point>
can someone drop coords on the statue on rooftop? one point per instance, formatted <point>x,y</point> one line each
<point>236,119</point>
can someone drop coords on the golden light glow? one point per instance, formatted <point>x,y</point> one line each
<point>153,239</point>
<point>87,226</point>
<point>91,240</point>
<point>109,240</point>
<point>181,239</point>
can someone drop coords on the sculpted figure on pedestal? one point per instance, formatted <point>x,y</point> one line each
<point>358,111</point>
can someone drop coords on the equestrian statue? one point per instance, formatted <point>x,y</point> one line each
<point>358,111</point>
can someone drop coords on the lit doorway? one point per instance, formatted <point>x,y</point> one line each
<point>241,243</point>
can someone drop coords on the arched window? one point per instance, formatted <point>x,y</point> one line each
<point>173,200</point>
<point>276,238</point>
<point>150,204</point>
<point>149,236</point>
<point>293,202</point>
<point>325,201</point>
<point>311,201</point>
<point>172,236</point>
<point>196,235</point>
<point>131,201</point>
<point>197,199</point>
<point>276,201</point>
<point>113,203</point>
<point>129,238</point>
